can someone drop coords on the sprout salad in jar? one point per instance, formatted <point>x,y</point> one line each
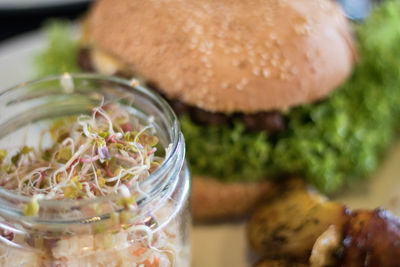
<point>92,173</point>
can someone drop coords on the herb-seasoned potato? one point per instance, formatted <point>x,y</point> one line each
<point>325,248</point>
<point>279,263</point>
<point>289,226</point>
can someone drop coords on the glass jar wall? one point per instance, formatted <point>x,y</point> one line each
<point>94,231</point>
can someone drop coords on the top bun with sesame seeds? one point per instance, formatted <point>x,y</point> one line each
<point>228,55</point>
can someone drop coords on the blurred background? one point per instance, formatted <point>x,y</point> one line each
<point>19,16</point>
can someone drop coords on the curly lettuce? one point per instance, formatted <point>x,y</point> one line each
<point>61,53</point>
<point>330,143</point>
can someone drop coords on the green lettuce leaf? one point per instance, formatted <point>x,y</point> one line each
<point>330,143</point>
<point>61,53</point>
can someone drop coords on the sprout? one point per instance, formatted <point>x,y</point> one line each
<point>67,83</point>
<point>104,153</point>
<point>127,200</point>
<point>15,159</point>
<point>114,217</point>
<point>63,155</point>
<point>32,208</point>
<point>90,156</point>
<point>149,140</point>
<point>99,227</point>
<point>3,155</point>
<point>73,189</point>
<point>101,181</point>
<point>103,135</point>
<point>26,150</point>
<point>125,217</point>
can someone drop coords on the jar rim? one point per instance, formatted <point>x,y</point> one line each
<point>176,145</point>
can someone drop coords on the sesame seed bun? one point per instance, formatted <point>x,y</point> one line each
<point>213,200</point>
<point>229,55</point>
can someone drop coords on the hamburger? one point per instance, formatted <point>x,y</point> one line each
<point>238,73</point>
<point>261,87</point>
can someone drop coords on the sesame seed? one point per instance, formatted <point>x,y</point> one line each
<point>202,47</point>
<point>256,71</point>
<point>268,44</point>
<point>236,49</point>
<point>266,73</point>
<point>272,36</point>
<point>179,85</point>
<point>199,29</point>
<point>265,56</point>
<point>224,85</point>
<point>194,40</point>
<point>249,46</point>
<point>239,87</point>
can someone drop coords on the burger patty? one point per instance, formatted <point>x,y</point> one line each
<point>270,122</point>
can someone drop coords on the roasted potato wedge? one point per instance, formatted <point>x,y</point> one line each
<point>289,226</point>
<point>372,238</point>
<point>279,263</point>
<point>325,248</point>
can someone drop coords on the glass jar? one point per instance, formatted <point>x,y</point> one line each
<point>93,232</point>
